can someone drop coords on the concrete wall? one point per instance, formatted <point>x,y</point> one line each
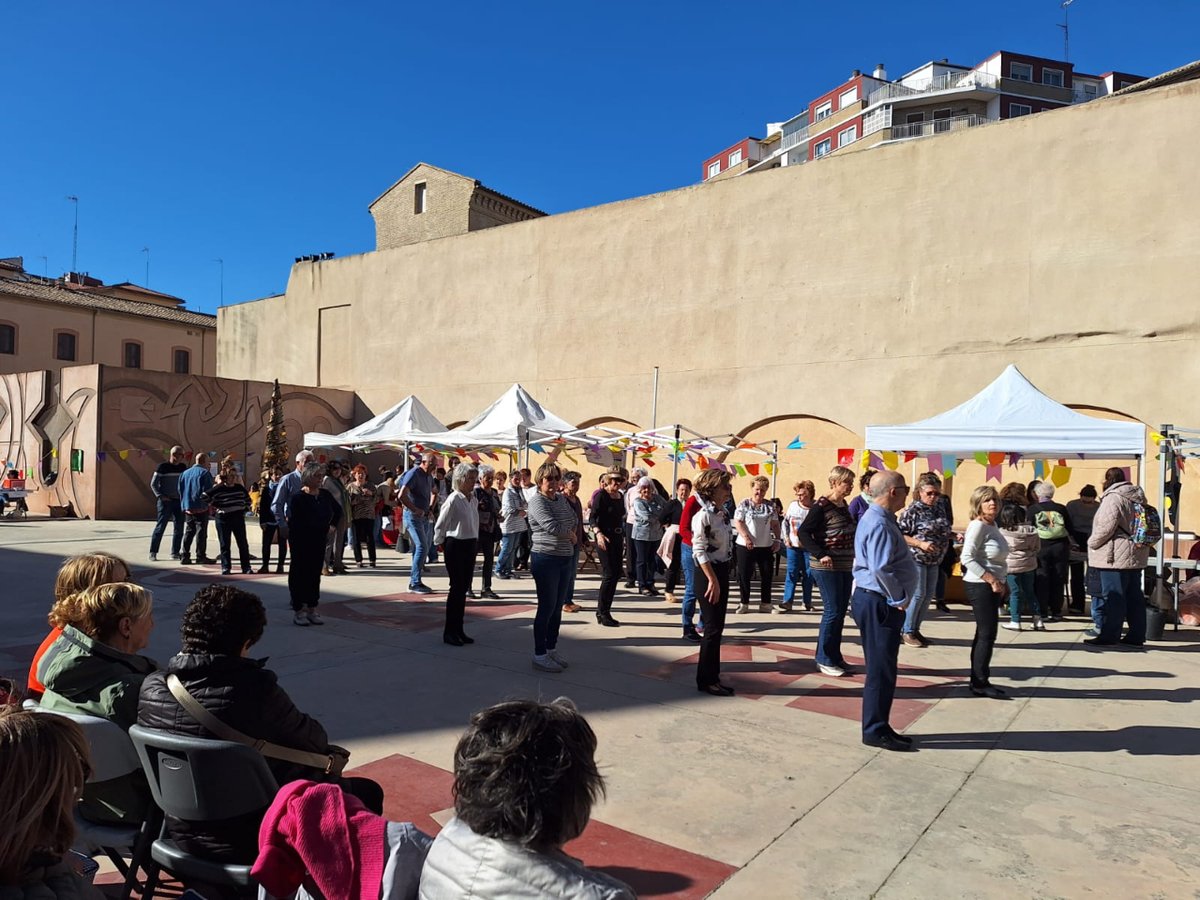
<point>877,287</point>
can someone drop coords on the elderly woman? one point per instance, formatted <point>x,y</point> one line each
<point>525,781</point>
<point>488,506</point>
<point>607,519</point>
<point>925,525</point>
<point>96,668</point>
<point>1054,554</point>
<point>757,539</point>
<point>672,516</point>
<point>1120,561</point>
<point>457,533</point>
<point>45,761</point>
<point>364,497</point>
<point>514,522</point>
<point>648,510</point>
<point>827,536</point>
<point>555,534</point>
<point>335,545</point>
<point>985,571</point>
<point>797,558</point>
<point>312,514</point>
<point>712,550</point>
<point>570,490</point>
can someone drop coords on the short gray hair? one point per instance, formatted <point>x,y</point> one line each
<point>1044,490</point>
<point>304,456</point>
<point>312,473</point>
<point>484,471</point>
<point>639,472</point>
<point>459,476</point>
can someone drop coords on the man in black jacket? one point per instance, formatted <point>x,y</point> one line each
<point>165,485</point>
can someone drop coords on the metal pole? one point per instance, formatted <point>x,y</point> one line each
<point>75,235</point>
<point>146,250</point>
<point>654,403</point>
<point>775,470</point>
<point>674,459</point>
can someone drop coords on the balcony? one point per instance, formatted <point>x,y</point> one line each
<point>972,80</point>
<point>796,137</point>
<point>934,126</point>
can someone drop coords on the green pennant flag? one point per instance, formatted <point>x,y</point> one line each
<point>76,460</point>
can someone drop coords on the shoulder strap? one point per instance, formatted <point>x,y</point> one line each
<point>191,705</point>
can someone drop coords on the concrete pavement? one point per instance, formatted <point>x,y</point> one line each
<point>1083,783</point>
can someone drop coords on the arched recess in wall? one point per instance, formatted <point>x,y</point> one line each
<point>590,472</point>
<point>822,439</point>
<point>622,424</point>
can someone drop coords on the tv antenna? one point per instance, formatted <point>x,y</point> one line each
<point>1066,28</point>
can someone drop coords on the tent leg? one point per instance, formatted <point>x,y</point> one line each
<point>775,468</point>
<point>674,460</point>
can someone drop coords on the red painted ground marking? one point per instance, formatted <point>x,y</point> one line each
<point>415,790</point>
<point>415,612</point>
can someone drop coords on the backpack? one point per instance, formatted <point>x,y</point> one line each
<point>1050,525</point>
<point>1145,527</point>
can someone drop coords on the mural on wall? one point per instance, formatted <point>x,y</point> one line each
<point>22,397</point>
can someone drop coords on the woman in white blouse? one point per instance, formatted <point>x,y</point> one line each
<point>457,533</point>
<point>757,526</point>
<point>984,563</point>
<point>712,548</point>
<point>797,558</point>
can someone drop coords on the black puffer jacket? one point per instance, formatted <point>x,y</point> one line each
<point>246,695</point>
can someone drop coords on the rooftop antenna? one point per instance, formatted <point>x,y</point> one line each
<point>45,266</point>
<point>221,263</point>
<point>1066,27</point>
<point>75,235</point>
<point>146,250</point>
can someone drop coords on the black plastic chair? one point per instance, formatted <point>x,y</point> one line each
<point>201,780</point>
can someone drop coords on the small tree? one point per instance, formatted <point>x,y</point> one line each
<point>275,453</point>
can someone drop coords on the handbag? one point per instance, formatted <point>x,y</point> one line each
<point>331,763</point>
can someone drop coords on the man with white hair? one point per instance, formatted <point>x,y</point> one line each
<point>165,485</point>
<point>289,486</point>
<point>1054,555</point>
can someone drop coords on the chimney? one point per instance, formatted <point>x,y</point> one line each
<point>855,74</point>
<point>880,73</point>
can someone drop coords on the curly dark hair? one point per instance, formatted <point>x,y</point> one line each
<point>526,772</point>
<point>221,619</point>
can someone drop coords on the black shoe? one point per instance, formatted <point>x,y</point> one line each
<point>987,690</point>
<point>224,571</point>
<point>717,690</point>
<point>174,556</point>
<point>205,561</point>
<point>279,570</point>
<point>489,594</point>
<point>631,584</point>
<point>185,560</point>
<point>1099,642</point>
<point>607,621</point>
<point>888,742</point>
<point>1133,645</point>
<point>940,606</point>
<point>465,639</point>
<point>692,636</point>
<point>246,570</point>
<point>471,595</point>
<point>452,639</point>
<point>902,738</point>
<point>264,570</point>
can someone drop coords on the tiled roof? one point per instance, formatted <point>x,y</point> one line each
<point>1189,72</point>
<point>53,293</point>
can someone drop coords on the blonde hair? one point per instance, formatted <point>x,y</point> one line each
<point>839,474</point>
<point>761,481</point>
<point>101,609</point>
<point>980,496</point>
<point>45,762</point>
<point>78,573</point>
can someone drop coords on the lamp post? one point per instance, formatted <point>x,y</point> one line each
<point>75,235</point>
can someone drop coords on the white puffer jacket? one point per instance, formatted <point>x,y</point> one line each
<point>1110,545</point>
<point>1023,545</point>
<point>463,865</point>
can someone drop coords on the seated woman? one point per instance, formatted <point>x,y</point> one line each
<point>78,573</point>
<point>95,668</point>
<point>219,627</point>
<point>45,764</point>
<point>525,780</point>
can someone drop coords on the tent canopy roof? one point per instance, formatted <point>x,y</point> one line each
<point>504,423</point>
<point>408,420</point>
<point>1013,416</point>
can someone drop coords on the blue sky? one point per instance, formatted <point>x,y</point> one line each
<point>256,132</point>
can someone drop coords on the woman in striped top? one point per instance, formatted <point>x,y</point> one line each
<point>827,535</point>
<point>554,530</point>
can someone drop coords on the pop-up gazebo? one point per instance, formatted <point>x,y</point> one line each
<point>506,423</point>
<point>409,421</point>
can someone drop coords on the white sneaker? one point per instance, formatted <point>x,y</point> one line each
<point>742,609</point>
<point>1012,626</point>
<point>300,619</point>
<point>314,618</point>
<point>835,671</point>
<point>1038,624</point>
<point>764,607</point>
<point>544,663</point>
<point>554,655</point>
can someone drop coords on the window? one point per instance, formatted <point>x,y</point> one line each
<point>824,111</point>
<point>1126,84</point>
<point>914,118</point>
<point>133,355</point>
<point>419,197</point>
<point>734,158</point>
<point>64,345</point>
<point>1090,91</point>
<point>1020,71</point>
<point>849,136</point>
<point>8,338</point>
<point>714,168</point>
<point>826,146</point>
<point>850,96</point>
<point>1019,109</point>
<point>941,120</point>
<point>183,361</point>
<point>1052,77</point>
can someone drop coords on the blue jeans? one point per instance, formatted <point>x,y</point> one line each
<point>168,510</point>
<point>797,573</point>
<point>508,548</point>
<point>1021,592</point>
<point>1121,600</point>
<point>915,614</point>
<point>420,532</point>
<point>551,578</point>
<point>571,575</point>
<point>835,598</point>
<point>689,588</point>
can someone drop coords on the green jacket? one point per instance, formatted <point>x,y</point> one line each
<point>82,675</point>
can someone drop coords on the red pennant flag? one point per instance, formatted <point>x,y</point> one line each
<point>752,468</point>
<point>845,457</point>
<point>910,455</point>
<point>996,459</point>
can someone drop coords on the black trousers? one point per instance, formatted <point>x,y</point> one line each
<point>486,548</point>
<point>269,532</point>
<point>610,569</point>
<point>631,560</point>
<point>749,558</point>
<point>675,570</point>
<point>987,618</point>
<point>646,558</point>
<point>233,528</point>
<point>364,533</point>
<point>708,666</point>
<point>1051,576</point>
<point>460,564</point>
<point>195,526</point>
<point>1078,585</point>
<point>304,577</point>
<point>524,547</point>
<point>879,626</point>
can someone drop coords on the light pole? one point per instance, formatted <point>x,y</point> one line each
<point>221,263</point>
<point>146,250</point>
<point>75,235</point>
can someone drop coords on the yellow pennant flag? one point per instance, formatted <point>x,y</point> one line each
<point>865,460</point>
<point>890,459</point>
<point>124,454</point>
<point>770,467</point>
<point>1060,475</point>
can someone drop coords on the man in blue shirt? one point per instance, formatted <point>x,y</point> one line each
<point>415,493</point>
<point>289,486</point>
<point>193,483</point>
<point>885,582</point>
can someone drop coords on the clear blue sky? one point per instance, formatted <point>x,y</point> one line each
<point>259,131</point>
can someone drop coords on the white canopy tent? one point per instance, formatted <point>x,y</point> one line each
<point>409,421</point>
<point>1013,416</point>
<point>506,423</point>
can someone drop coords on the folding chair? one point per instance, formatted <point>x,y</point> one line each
<point>589,558</point>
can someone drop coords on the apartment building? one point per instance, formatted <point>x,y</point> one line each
<point>934,98</point>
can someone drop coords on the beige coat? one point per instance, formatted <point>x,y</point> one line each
<point>1110,545</point>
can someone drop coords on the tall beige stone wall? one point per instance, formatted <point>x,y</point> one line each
<point>875,287</point>
<point>447,202</point>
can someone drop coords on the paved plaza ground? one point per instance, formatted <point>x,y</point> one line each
<point>1086,782</point>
